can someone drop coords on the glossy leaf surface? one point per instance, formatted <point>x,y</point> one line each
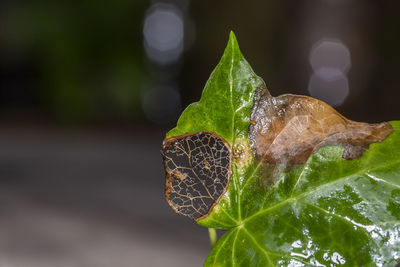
<point>331,211</point>
<point>327,212</point>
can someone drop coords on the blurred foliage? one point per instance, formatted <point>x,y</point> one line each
<point>88,53</point>
<point>84,60</point>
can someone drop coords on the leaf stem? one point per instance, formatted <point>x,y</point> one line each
<point>213,236</point>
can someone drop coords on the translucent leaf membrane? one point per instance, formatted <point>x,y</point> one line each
<point>198,168</point>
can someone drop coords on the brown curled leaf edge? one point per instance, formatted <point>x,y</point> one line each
<point>284,130</point>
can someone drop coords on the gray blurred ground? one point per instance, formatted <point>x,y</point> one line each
<point>89,198</point>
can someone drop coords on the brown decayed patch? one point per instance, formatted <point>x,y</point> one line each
<point>289,128</point>
<point>198,169</point>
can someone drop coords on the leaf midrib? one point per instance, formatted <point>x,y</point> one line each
<point>292,199</point>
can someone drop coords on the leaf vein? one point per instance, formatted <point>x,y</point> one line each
<point>233,248</point>
<point>360,172</point>
<point>221,246</point>
<point>259,246</point>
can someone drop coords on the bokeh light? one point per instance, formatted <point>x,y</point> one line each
<point>330,53</point>
<point>163,32</point>
<point>332,91</point>
<point>330,60</point>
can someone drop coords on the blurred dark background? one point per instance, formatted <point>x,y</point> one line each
<point>88,89</point>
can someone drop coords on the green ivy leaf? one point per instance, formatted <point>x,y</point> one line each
<point>330,212</point>
<point>226,101</point>
<point>327,212</point>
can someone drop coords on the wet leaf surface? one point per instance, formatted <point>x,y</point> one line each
<point>307,186</point>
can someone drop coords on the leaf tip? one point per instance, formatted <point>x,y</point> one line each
<point>232,36</point>
<point>233,45</point>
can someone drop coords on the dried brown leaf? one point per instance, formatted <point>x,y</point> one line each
<point>289,128</point>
